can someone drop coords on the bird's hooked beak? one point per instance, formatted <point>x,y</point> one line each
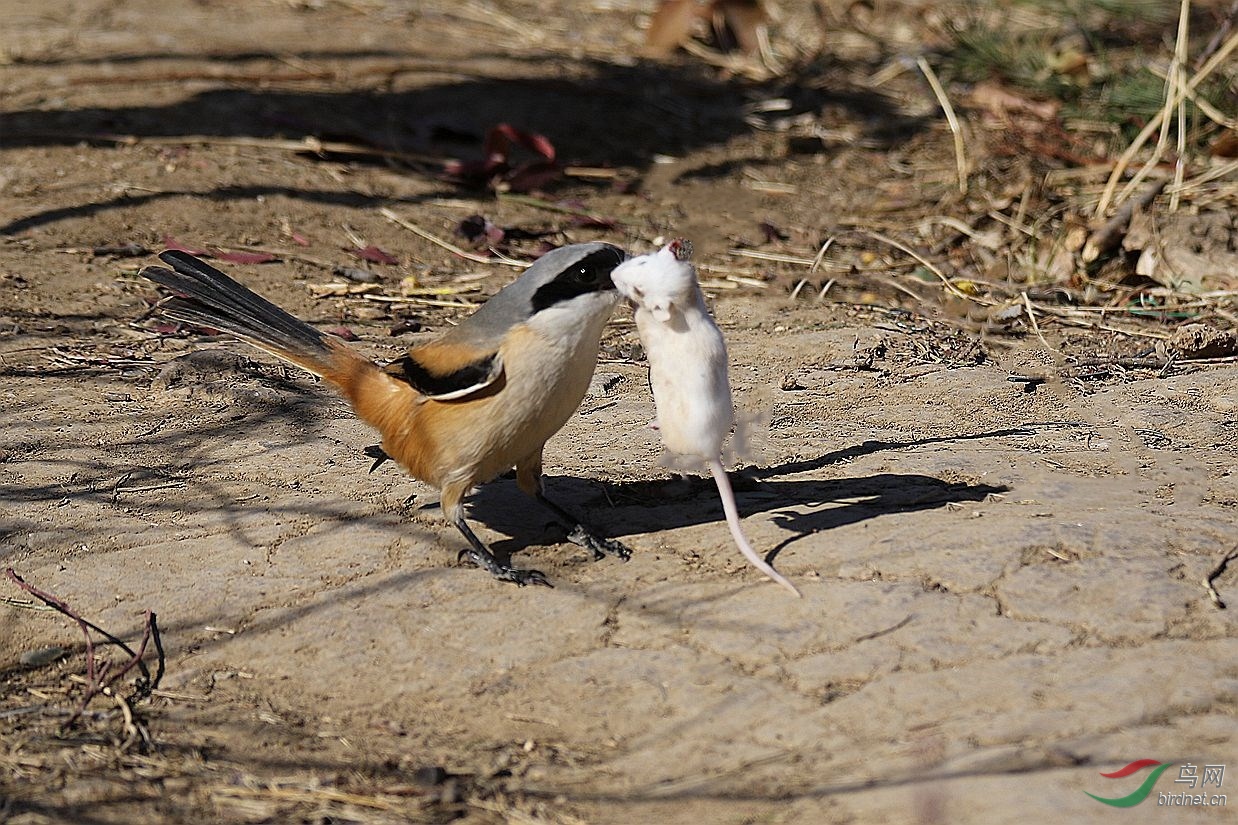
<point>623,258</point>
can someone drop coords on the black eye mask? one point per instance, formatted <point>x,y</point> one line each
<point>589,274</point>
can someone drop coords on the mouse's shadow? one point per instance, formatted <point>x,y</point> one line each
<point>800,507</point>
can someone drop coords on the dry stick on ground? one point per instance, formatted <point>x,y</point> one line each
<point>1109,235</point>
<point>1215,573</point>
<point>95,681</point>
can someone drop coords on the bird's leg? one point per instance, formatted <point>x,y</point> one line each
<point>529,479</point>
<point>478,553</point>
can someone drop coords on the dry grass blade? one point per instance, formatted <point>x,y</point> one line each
<point>817,261</point>
<point>437,241</point>
<point>1207,109</point>
<point>771,256</point>
<point>1124,161</point>
<point>960,158</point>
<point>1178,75</point>
<point>1031,316</point>
<point>929,265</point>
<point>813,264</point>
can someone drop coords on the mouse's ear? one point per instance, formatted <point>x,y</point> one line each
<point>661,311</point>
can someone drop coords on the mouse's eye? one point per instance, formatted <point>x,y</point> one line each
<point>638,292</point>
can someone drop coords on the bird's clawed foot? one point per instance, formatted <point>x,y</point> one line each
<point>599,546</point>
<point>504,572</point>
<point>582,536</point>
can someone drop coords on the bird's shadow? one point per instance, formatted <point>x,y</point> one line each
<point>801,507</point>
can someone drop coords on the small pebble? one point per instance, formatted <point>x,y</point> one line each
<point>356,275</point>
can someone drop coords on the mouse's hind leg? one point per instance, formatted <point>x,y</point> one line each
<point>529,479</point>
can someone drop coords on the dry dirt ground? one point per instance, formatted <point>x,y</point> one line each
<point>1003,589</point>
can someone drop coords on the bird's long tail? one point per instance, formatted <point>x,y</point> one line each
<point>732,520</point>
<point>204,296</point>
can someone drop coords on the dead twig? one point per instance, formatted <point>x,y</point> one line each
<point>1110,234</point>
<point>1215,573</point>
<point>98,679</point>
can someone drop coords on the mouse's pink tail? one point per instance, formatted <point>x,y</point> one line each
<point>732,520</point>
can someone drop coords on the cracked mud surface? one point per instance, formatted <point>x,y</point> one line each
<point>1002,589</point>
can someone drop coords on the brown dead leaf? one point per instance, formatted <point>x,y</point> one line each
<point>737,25</point>
<point>1225,145</point>
<point>672,25</point>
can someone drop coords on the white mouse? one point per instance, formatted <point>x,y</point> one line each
<point>687,369</point>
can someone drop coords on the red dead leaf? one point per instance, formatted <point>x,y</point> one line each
<point>500,139</point>
<point>239,257</point>
<point>374,255</point>
<point>343,332</point>
<point>173,243</point>
<point>497,166</point>
<point>1225,145</point>
<point>531,176</point>
<point>244,257</point>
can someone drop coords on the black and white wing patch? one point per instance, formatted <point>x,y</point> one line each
<point>440,381</point>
